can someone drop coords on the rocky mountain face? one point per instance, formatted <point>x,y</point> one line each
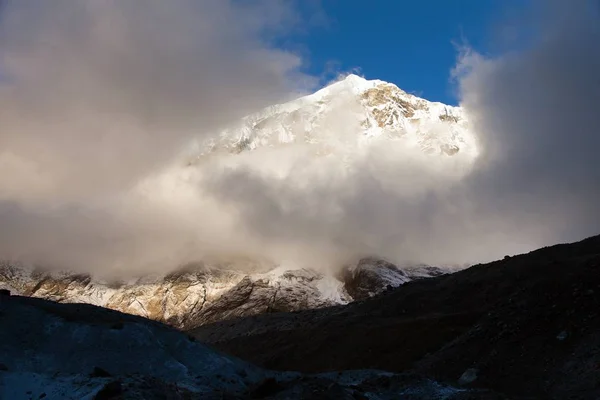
<point>351,112</point>
<point>371,276</point>
<point>204,294</point>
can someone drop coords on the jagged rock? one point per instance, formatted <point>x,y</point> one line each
<point>372,109</point>
<point>290,291</point>
<point>200,294</point>
<point>372,276</point>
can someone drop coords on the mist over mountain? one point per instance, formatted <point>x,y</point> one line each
<point>249,273</point>
<point>175,163</point>
<point>132,147</point>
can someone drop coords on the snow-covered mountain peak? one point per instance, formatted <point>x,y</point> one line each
<point>355,79</point>
<point>352,83</point>
<point>353,110</point>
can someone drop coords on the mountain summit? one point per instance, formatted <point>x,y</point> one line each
<point>353,111</point>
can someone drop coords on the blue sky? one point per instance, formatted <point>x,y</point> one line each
<point>409,43</point>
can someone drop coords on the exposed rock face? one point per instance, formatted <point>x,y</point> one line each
<point>291,291</point>
<point>372,276</point>
<point>194,297</point>
<point>371,110</point>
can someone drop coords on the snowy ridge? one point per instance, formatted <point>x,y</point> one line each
<point>207,294</point>
<point>352,111</point>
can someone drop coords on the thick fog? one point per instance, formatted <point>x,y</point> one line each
<point>97,96</point>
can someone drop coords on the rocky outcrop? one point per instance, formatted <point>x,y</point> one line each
<point>372,276</point>
<point>371,109</point>
<point>292,291</point>
<point>204,294</point>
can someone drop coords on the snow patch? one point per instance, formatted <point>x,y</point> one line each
<point>332,290</point>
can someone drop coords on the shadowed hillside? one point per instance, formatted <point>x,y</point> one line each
<point>526,325</point>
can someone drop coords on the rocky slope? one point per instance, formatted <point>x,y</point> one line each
<point>202,294</point>
<point>522,328</point>
<point>352,111</point>
<point>526,326</point>
<point>75,351</point>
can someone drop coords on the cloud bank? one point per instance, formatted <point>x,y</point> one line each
<point>102,93</point>
<point>100,98</point>
<point>534,111</point>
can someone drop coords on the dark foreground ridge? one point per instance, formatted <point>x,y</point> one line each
<point>58,351</point>
<point>527,325</point>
